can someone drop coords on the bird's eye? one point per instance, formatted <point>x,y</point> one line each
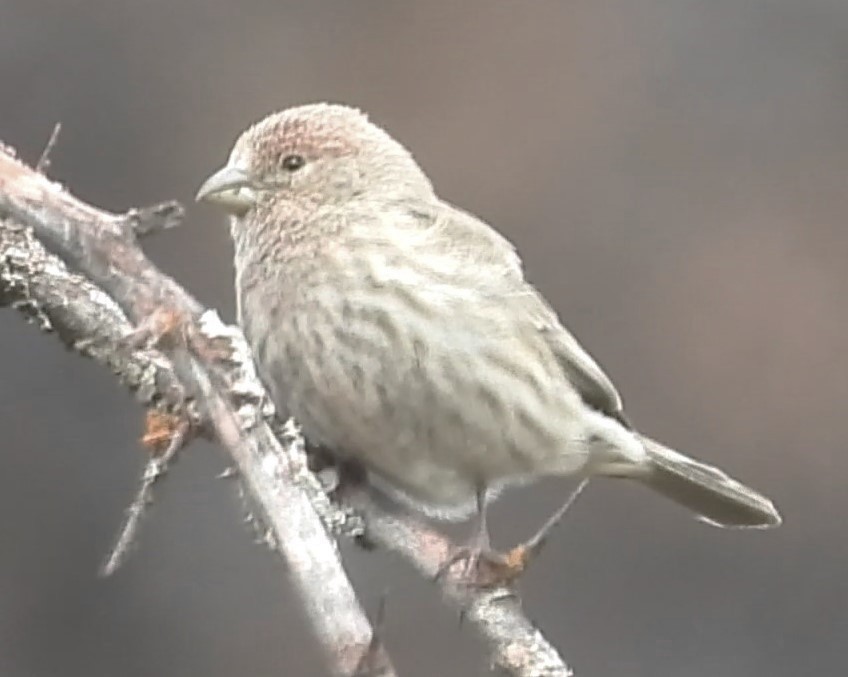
<point>293,162</point>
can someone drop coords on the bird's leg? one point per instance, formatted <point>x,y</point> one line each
<point>516,560</point>
<point>486,568</point>
<point>478,546</point>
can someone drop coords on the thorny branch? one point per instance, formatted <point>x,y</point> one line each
<point>199,360</point>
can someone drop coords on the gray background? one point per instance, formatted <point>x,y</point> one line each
<point>675,174</point>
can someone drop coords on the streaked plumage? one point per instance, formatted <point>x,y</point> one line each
<point>400,331</point>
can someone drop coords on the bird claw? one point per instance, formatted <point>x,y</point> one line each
<point>488,569</point>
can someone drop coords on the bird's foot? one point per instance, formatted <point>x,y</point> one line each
<point>486,569</point>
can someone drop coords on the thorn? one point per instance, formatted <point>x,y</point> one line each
<point>43,163</point>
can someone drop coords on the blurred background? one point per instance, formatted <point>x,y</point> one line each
<point>675,174</point>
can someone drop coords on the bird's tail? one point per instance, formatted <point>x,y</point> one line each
<point>717,498</point>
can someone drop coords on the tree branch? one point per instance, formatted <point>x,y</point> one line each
<point>102,246</point>
<point>212,363</point>
<point>85,318</point>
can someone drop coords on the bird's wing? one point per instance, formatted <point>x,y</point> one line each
<point>594,386</point>
<point>495,258</point>
<point>470,239</point>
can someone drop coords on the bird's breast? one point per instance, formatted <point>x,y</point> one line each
<point>427,382</point>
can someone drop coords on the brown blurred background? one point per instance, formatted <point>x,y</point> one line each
<point>675,174</point>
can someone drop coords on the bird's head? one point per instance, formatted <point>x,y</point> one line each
<point>319,154</point>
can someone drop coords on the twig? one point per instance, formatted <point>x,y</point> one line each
<point>103,247</point>
<point>516,646</point>
<point>43,163</point>
<point>234,402</point>
<point>155,468</point>
<point>370,664</point>
<point>155,219</point>
<point>87,320</point>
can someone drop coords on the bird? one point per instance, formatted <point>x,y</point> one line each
<point>400,332</point>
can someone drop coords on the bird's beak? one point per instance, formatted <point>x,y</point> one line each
<point>229,187</point>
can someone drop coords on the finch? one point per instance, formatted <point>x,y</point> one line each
<point>399,331</point>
